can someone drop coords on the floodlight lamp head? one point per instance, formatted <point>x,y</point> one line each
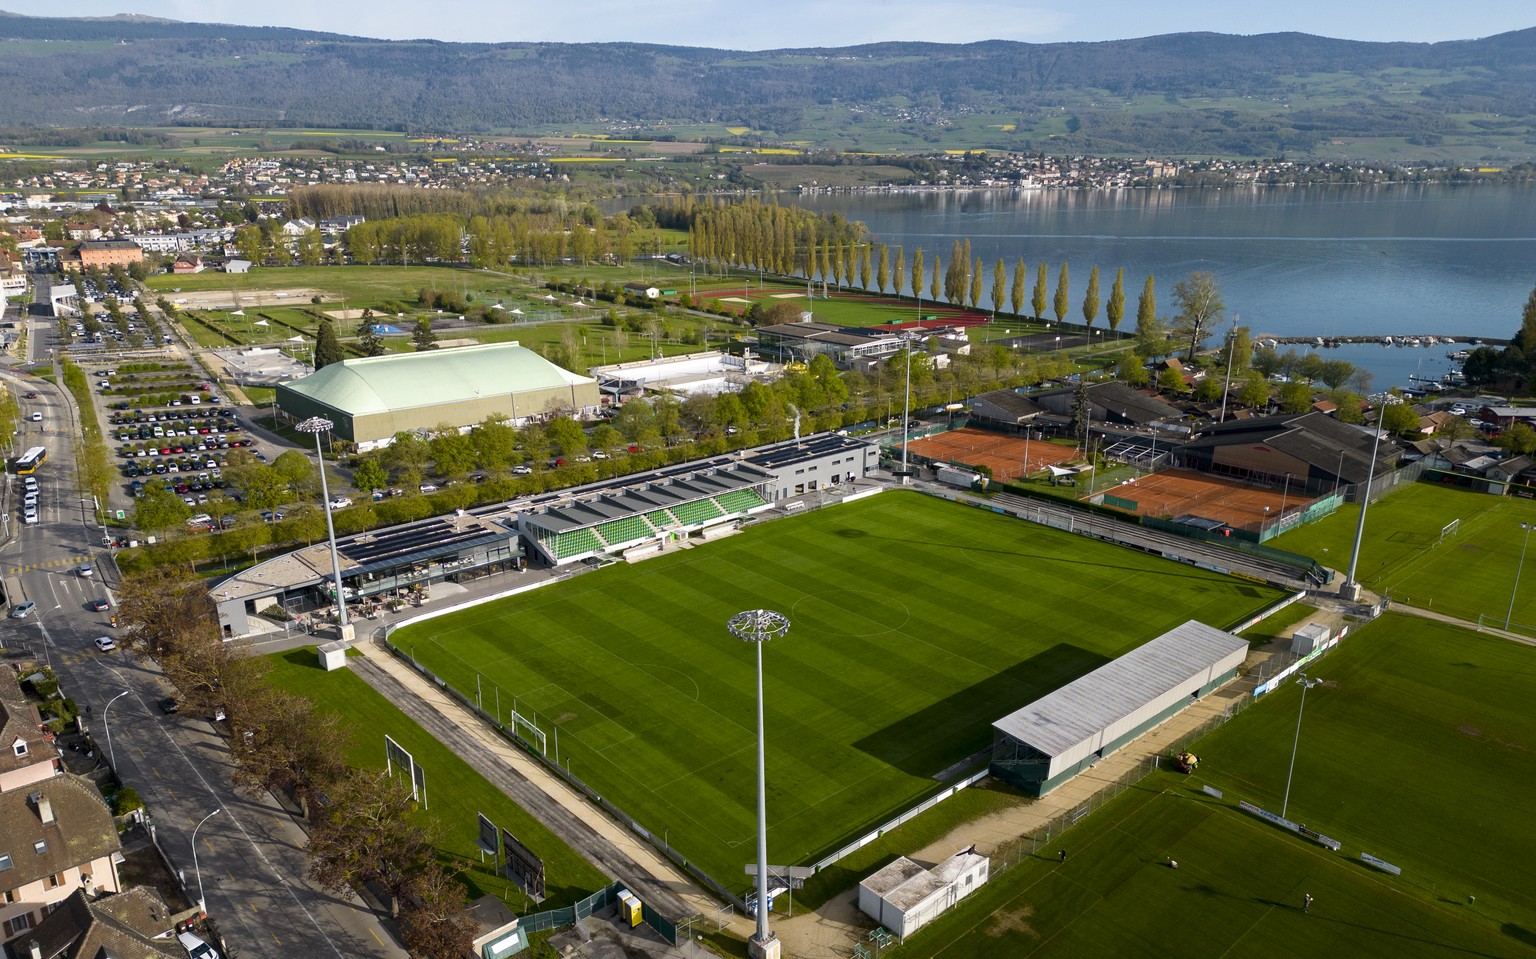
<point>315,424</point>
<point>758,625</point>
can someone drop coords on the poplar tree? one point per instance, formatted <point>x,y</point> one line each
<point>975,290</point>
<point>1038,300</point>
<point>1115,311</point>
<point>883,271</point>
<point>1146,307</point>
<point>865,266</point>
<point>936,264</point>
<point>917,276</point>
<point>1020,278</point>
<point>898,272</point>
<point>1091,298</point>
<point>999,282</point>
<point>1061,304</point>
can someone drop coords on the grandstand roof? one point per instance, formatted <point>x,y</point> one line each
<point>1091,703</point>
<point>378,384</point>
<point>646,497</point>
<point>1314,438</point>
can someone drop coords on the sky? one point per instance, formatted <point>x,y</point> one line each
<point>752,25</point>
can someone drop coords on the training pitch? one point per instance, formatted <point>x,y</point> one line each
<point>916,623</point>
<point>1415,749</point>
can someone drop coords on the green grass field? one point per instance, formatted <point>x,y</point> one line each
<point>455,792</point>
<point>916,624</point>
<point>1470,573</point>
<point>1416,750</point>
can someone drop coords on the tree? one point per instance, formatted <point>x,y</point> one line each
<point>1295,397</point>
<point>1114,312</point>
<point>296,470</point>
<point>1402,420</point>
<point>366,834</point>
<point>883,270</point>
<point>1016,294</point>
<point>999,286</point>
<point>370,342</point>
<point>453,453</point>
<point>433,918</point>
<point>158,509</point>
<point>1170,380</point>
<point>918,276</point>
<point>1131,371</point>
<point>933,283</point>
<point>423,336</point>
<point>567,434</point>
<point>1266,360</point>
<point>1062,301</point>
<point>1038,299</point>
<point>327,345</point>
<point>1200,307</point>
<point>1335,373</point>
<point>1254,392</point>
<point>974,292</point>
<point>1082,412</point>
<point>285,743</point>
<point>494,440</point>
<point>1091,298</point>
<point>1146,304</point>
<point>408,455</point>
<point>370,475</point>
<point>311,248</point>
<point>1208,389</point>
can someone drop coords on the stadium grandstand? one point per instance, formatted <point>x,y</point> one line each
<point>663,509</point>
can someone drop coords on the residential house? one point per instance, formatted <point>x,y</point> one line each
<point>294,229</point>
<point>29,755</point>
<point>188,263</point>
<point>237,266</point>
<point>56,837</point>
<point>136,924</point>
<point>642,290</point>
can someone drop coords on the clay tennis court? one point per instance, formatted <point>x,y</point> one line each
<point>1003,454</point>
<point>1178,492</point>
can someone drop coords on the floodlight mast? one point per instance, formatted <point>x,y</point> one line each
<point>318,425</point>
<point>757,626</point>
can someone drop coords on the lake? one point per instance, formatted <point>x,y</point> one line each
<point>1291,261</point>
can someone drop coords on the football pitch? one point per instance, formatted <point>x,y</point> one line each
<point>1415,749</point>
<point>916,624</point>
<point>1468,573</point>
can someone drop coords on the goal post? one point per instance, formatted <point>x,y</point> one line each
<point>529,732</point>
<point>1449,529</point>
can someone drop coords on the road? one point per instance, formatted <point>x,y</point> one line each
<point>251,855</point>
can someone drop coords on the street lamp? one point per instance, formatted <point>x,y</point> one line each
<point>202,903</point>
<point>1285,497</point>
<point>906,415</point>
<point>1305,685</point>
<point>107,728</point>
<point>757,626</point>
<point>1516,588</point>
<point>318,425</point>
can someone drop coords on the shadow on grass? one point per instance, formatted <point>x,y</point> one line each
<point>1002,693</point>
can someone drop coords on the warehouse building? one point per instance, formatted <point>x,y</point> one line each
<point>1054,738</point>
<point>371,399</point>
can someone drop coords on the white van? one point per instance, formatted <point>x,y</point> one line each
<point>196,947</point>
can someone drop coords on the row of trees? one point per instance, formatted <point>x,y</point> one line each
<point>363,826</point>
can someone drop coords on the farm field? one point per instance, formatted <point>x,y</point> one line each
<point>455,792</point>
<point>1414,749</point>
<point>916,623</point>
<point>1471,573</point>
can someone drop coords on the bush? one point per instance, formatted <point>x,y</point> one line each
<point>126,801</point>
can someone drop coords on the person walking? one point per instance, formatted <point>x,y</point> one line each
<point>1062,856</point>
<point>1306,902</point>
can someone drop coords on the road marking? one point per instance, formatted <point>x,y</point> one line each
<point>208,844</point>
<point>156,771</point>
<point>276,940</point>
<point>376,936</point>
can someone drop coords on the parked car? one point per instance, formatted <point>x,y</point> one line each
<point>340,502</point>
<point>428,487</point>
<point>101,605</point>
<point>23,610</point>
<point>194,944</point>
<point>105,644</point>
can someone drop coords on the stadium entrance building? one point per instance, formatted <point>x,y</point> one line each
<point>1054,738</point>
<point>372,399</point>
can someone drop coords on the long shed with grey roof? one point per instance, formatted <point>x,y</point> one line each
<point>1042,745</point>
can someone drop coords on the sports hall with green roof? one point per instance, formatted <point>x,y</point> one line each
<point>371,399</point>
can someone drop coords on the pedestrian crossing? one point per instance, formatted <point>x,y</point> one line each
<point>65,563</point>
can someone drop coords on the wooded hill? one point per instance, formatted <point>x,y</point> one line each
<point>1180,93</point>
